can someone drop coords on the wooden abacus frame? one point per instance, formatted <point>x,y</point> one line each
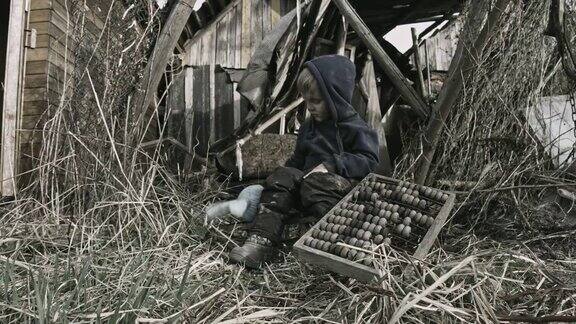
<point>357,270</point>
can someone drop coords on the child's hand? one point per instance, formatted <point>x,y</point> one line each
<point>319,169</point>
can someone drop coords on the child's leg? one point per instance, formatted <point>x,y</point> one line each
<point>319,192</point>
<point>280,195</point>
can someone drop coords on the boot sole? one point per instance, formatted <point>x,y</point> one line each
<point>240,258</point>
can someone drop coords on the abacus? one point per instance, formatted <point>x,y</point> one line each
<point>379,211</point>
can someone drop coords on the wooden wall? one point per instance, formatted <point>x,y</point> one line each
<point>214,108</point>
<point>45,68</point>
<point>442,46</point>
<point>231,39</point>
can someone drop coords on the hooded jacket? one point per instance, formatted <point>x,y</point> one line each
<point>344,143</point>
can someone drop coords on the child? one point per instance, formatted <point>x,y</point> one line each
<point>333,146</point>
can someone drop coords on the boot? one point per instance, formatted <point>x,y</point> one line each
<point>254,253</point>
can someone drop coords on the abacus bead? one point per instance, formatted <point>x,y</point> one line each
<point>422,204</point>
<point>353,241</point>
<point>329,227</point>
<point>367,262</point>
<point>407,221</point>
<point>361,208</point>
<point>371,227</point>
<point>375,220</point>
<point>367,235</point>
<point>354,231</point>
<point>344,252</point>
<point>395,217</point>
<point>410,200</point>
<point>377,229</point>
<point>406,231</point>
<point>365,225</point>
<point>381,213</point>
<point>382,222</point>
<point>352,254</point>
<point>334,237</point>
<point>387,241</point>
<point>378,239</point>
<point>430,221</point>
<point>360,256</point>
<point>412,214</point>
<point>395,208</point>
<point>418,218</point>
<point>400,228</point>
<point>360,233</point>
<point>423,219</point>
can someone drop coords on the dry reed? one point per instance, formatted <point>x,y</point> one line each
<point>106,233</point>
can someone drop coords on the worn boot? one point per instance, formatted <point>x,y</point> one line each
<point>254,253</point>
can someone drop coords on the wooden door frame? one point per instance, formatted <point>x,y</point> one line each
<point>13,87</point>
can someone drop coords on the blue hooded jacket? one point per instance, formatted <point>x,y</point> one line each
<point>344,143</point>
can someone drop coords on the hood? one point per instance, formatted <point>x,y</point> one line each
<point>336,76</point>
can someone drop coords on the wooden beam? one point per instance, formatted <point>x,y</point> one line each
<point>460,68</point>
<point>417,62</point>
<point>398,80</point>
<point>13,83</point>
<point>374,116</point>
<point>341,33</point>
<point>161,54</point>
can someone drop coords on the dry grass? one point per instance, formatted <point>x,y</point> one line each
<point>106,233</point>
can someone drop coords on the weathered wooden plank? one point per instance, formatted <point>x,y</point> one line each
<point>374,116</point>
<point>12,96</point>
<point>275,12</point>
<point>222,42</point>
<point>37,54</point>
<point>266,17</point>
<point>256,31</point>
<point>35,94</point>
<point>224,105</point>
<point>161,54</point>
<point>238,37</point>
<point>39,15</point>
<point>391,70</point>
<point>417,61</point>
<point>40,4</point>
<point>40,67</point>
<point>231,44</point>
<point>31,108</point>
<point>201,107</point>
<point>189,113</point>
<point>246,32</point>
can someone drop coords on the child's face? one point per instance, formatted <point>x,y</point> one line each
<point>315,103</point>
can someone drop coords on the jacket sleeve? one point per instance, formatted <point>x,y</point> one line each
<point>298,157</point>
<point>360,156</point>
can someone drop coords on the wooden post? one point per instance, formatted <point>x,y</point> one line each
<point>161,54</point>
<point>460,69</point>
<point>13,83</point>
<point>341,37</point>
<point>428,74</point>
<point>374,116</point>
<point>391,70</point>
<point>417,62</point>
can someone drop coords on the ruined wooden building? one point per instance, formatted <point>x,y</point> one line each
<point>240,59</point>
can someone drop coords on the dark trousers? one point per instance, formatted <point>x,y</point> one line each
<point>286,189</point>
